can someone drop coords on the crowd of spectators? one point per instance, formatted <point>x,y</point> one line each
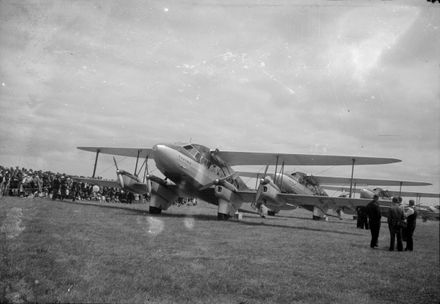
<point>29,183</point>
<point>46,184</point>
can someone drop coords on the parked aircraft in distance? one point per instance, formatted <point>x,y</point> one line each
<point>426,212</point>
<point>384,193</point>
<point>272,193</point>
<point>193,170</point>
<point>429,212</point>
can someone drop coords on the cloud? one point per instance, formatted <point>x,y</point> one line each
<point>276,77</point>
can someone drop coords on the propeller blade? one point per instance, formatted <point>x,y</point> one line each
<point>148,181</point>
<point>260,188</point>
<point>265,170</point>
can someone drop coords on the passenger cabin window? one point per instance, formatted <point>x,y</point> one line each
<point>197,156</point>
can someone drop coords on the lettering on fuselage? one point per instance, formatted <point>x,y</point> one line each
<point>185,160</point>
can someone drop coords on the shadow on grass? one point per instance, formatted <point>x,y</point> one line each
<point>129,210</point>
<point>265,224</point>
<point>310,218</point>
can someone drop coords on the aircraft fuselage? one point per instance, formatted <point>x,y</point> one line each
<point>296,183</point>
<point>194,170</point>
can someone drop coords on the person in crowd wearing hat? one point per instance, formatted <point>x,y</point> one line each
<point>396,219</point>
<point>63,187</point>
<point>374,216</point>
<point>411,217</point>
<point>55,187</point>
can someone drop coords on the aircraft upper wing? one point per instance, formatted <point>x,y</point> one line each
<point>393,193</point>
<point>256,158</point>
<point>131,152</point>
<point>234,158</point>
<point>330,180</point>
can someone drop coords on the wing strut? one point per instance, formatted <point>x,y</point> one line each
<point>276,168</point>
<point>137,160</point>
<point>96,162</point>
<point>282,175</point>
<point>352,172</point>
<point>145,169</point>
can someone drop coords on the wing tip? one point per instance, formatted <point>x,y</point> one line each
<point>90,149</point>
<point>395,160</point>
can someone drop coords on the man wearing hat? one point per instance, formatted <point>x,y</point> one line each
<point>411,216</point>
<point>374,216</point>
<point>395,222</point>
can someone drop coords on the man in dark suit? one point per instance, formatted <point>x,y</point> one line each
<point>374,215</point>
<point>362,219</point>
<point>411,217</point>
<point>396,219</point>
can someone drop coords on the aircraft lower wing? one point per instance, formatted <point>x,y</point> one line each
<point>247,196</point>
<point>330,180</point>
<point>392,193</point>
<point>99,182</point>
<point>135,187</point>
<point>290,201</point>
<point>327,202</point>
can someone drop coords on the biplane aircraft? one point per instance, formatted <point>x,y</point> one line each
<point>273,193</point>
<point>426,212</point>
<point>193,170</point>
<point>369,192</point>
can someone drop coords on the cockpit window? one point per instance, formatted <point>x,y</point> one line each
<point>188,147</point>
<point>310,182</point>
<point>385,193</point>
<point>194,152</point>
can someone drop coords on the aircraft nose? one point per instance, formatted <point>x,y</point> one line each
<point>159,149</point>
<point>163,155</point>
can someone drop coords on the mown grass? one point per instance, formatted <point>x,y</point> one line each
<point>71,252</point>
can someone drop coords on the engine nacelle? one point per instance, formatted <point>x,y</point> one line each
<point>228,202</point>
<point>366,193</point>
<point>161,197</point>
<point>269,196</point>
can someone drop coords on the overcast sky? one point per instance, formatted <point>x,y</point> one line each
<point>338,77</point>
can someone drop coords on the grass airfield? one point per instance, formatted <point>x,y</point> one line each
<point>54,251</point>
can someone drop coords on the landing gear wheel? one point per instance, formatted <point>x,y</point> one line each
<point>155,210</point>
<point>271,213</point>
<point>222,216</point>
